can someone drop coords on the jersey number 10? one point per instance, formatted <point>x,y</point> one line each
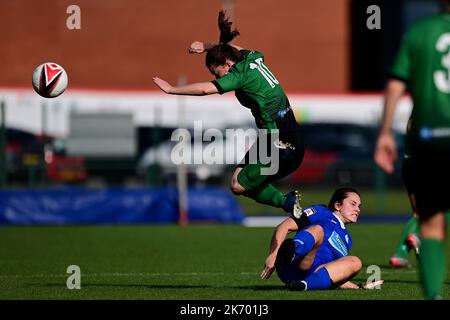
<point>261,67</point>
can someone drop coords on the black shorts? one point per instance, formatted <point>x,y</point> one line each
<point>427,175</point>
<point>289,158</point>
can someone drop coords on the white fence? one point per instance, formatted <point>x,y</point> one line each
<point>26,110</point>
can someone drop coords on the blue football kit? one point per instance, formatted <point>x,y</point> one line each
<point>336,243</point>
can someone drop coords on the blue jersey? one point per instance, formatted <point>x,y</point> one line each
<point>336,242</point>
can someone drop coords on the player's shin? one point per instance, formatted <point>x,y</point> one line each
<point>412,226</point>
<point>432,268</point>
<point>319,280</point>
<point>267,194</point>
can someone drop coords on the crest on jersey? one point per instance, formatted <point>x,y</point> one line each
<point>309,211</point>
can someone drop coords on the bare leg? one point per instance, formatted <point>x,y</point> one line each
<point>433,227</point>
<point>261,191</point>
<point>235,186</point>
<point>342,269</point>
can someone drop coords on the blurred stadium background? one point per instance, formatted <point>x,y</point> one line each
<point>100,153</point>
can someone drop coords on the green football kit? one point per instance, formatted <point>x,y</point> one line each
<point>258,89</point>
<point>423,62</point>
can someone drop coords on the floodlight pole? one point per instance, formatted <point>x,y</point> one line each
<point>182,183</point>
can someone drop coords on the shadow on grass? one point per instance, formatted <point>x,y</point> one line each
<point>128,285</point>
<point>402,281</point>
<point>411,281</point>
<point>165,286</point>
<point>258,288</point>
<point>261,288</point>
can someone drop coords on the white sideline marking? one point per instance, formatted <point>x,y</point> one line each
<point>118,274</point>
<point>157,274</point>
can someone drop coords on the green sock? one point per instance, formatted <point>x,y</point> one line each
<point>412,226</point>
<point>432,267</point>
<point>267,194</point>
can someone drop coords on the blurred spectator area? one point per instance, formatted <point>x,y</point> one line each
<point>120,137</point>
<point>31,159</point>
<point>107,141</point>
<point>342,154</point>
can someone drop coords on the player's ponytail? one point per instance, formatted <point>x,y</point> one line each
<point>226,34</point>
<point>222,52</point>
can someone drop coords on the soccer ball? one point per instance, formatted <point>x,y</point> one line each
<point>49,80</point>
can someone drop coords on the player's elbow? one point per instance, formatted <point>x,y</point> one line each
<point>208,91</point>
<point>204,92</point>
<point>208,88</point>
<point>395,87</point>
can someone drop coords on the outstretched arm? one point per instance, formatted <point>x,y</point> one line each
<point>194,89</point>
<point>278,237</point>
<point>386,150</point>
<point>201,47</point>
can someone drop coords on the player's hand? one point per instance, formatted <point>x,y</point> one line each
<point>267,272</point>
<point>197,47</point>
<point>386,152</point>
<point>162,84</point>
<point>269,267</point>
<point>372,285</point>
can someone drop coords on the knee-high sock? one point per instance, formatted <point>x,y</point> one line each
<point>412,226</point>
<point>432,267</point>
<point>304,242</point>
<point>319,280</point>
<point>266,194</point>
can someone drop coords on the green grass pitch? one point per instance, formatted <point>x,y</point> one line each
<point>175,263</point>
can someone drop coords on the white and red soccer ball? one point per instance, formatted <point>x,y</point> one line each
<point>49,80</point>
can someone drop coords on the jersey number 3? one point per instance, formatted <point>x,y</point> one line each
<point>442,78</point>
<point>261,67</point>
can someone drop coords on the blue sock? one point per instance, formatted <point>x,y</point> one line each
<point>304,242</point>
<point>318,280</point>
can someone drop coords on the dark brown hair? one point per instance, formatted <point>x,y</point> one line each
<point>222,52</point>
<point>339,195</point>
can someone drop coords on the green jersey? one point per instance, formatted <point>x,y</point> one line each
<point>424,63</point>
<point>256,88</point>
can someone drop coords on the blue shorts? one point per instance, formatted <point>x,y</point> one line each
<point>293,273</point>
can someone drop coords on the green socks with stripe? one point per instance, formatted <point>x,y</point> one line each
<point>412,226</point>
<point>432,268</point>
<point>267,194</point>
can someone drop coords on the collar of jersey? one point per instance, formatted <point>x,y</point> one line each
<point>340,221</point>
